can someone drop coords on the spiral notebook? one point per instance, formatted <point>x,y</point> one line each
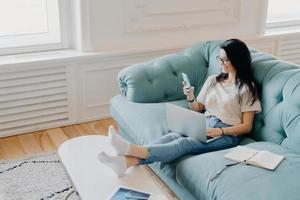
<point>263,159</point>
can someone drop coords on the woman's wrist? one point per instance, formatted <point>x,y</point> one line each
<point>192,100</point>
<point>222,131</point>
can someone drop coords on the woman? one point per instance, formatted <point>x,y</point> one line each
<point>230,101</point>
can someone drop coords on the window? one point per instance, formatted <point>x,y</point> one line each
<point>283,14</point>
<point>31,25</point>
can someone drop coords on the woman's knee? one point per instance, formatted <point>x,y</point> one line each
<point>173,135</point>
<point>184,144</point>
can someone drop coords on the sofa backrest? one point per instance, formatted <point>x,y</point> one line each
<point>279,82</point>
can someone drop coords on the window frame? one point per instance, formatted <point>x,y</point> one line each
<point>280,25</point>
<point>64,26</point>
<point>283,24</point>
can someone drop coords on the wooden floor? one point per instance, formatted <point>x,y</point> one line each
<point>48,141</point>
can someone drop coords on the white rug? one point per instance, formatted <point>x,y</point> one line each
<point>41,177</point>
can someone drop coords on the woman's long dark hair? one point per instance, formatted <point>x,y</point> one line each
<point>239,56</point>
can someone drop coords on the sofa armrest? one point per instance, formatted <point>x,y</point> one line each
<point>160,79</point>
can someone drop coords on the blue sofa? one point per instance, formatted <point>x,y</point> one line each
<point>140,112</point>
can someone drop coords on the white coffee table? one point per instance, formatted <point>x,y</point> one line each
<point>95,181</point>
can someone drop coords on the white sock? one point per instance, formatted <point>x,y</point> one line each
<point>116,163</point>
<point>120,145</point>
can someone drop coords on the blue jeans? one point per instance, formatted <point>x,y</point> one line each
<point>174,145</point>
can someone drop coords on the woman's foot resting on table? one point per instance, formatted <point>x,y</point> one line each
<point>120,145</point>
<point>116,163</point>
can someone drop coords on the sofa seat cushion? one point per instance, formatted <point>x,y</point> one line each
<point>144,122</point>
<point>241,182</point>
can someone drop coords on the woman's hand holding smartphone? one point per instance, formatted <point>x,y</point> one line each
<point>188,90</point>
<point>186,79</point>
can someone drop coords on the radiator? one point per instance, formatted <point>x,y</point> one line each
<point>289,49</point>
<point>31,99</point>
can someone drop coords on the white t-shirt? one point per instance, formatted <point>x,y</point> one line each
<point>221,101</point>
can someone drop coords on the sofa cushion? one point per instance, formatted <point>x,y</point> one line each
<point>144,122</point>
<point>241,182</point>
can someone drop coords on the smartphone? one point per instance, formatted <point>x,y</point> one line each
<point>186,79</point>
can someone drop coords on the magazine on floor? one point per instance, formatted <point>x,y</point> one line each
<point>124,193</point>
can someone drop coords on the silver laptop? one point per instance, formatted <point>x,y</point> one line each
<point>187,122</point>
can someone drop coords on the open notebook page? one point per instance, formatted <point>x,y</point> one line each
<point>266,159</point>
<point>240,154</point>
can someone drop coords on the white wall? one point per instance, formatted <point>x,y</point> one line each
<point>121,25</point>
